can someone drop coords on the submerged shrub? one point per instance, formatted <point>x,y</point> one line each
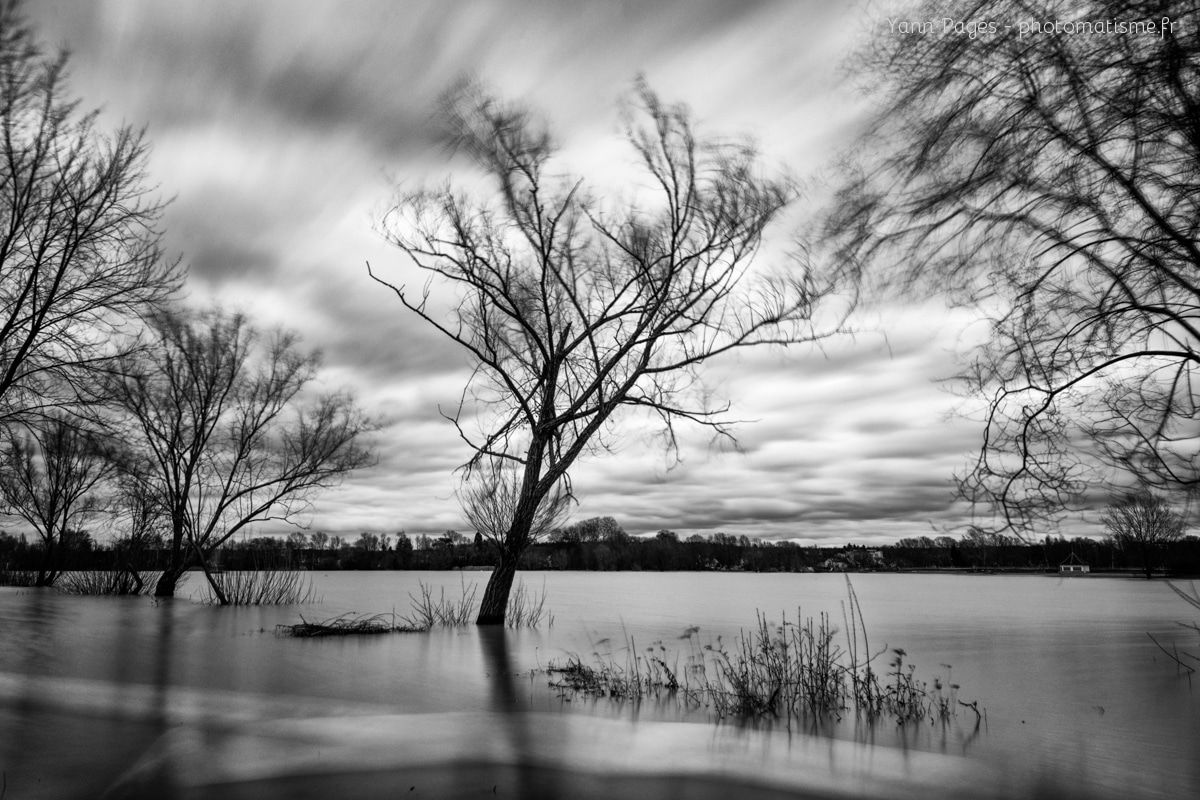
<point>259,588</point>
<point>17,577</point>
<point>107,582</point>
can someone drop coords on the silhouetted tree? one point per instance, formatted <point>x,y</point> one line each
<point>226,421</point>
<point>404,551</point>
<point>52,476</point>
<point>1144,524</point>
<point>572,309</point>
<point>79,251</point>
<point>1052,180</point>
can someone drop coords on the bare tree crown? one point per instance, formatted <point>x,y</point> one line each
<point>229,428</point>
<point>1054,182</point>
<point>79,248</point>
<point>571,307</point>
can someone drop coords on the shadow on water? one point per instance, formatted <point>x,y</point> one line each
<point>61,736</point>
<point>494,641</point>
<point>23,710</point>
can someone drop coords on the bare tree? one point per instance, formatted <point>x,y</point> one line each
<point>233,430</point>
<point>1144,524</point>
<point>1052,179</point>
<point>572,308</point>
<point>52,476</point>
<point>79,251</point>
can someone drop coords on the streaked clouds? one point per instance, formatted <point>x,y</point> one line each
<point>276,125</point>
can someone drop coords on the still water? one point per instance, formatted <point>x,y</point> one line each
<point>129,698</point>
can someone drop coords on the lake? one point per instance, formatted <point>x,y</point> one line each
<point>132,698</point>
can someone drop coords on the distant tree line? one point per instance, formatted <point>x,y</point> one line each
<point>601,544</point>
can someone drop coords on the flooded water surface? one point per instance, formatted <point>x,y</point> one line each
<point>126,697</point>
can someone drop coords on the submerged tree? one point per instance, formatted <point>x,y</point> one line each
<point>79,251</point>
<point>572,308</point>
<point>232,430</point>
<point>1053,179</point>
<point>1144,524</point>
<point>53,477</point>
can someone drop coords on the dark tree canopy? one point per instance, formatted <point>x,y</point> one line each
<point>573,307</point>
<point>1052,179</point>
<point>1143,524</point>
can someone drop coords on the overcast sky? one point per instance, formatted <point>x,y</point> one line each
<point>281,129</point>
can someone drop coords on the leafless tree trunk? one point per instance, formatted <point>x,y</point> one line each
<point>491,498</point>
<point>574,308</point>
<point>79,252</point>
<point>1051,180</point>
<point>230,436</point>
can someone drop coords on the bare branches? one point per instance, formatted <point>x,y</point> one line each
<point>1054,182</point>
<point>230,427</point>
<point>79,250</point>
<point>573,308</point>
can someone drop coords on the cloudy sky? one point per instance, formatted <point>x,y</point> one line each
<point>281,129</point>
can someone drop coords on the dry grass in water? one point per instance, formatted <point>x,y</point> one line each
<point>527,609</point>
<point>345,625</point>
<point>441,612</point>
<point>790,671</point>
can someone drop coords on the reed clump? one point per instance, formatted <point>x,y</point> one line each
<point>795,670</point>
